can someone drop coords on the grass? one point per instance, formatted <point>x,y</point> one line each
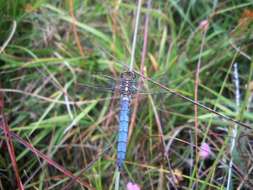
<point>43,65</point>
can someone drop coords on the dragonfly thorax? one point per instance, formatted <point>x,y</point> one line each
<point>127,83</point>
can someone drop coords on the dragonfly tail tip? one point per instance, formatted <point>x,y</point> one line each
<point>120,164</point>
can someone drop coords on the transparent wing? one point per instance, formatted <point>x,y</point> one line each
<point>100,82</point>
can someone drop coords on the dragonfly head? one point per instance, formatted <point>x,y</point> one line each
<point>128,75</point>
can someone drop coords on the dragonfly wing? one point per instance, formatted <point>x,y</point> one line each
<point>97,82</point>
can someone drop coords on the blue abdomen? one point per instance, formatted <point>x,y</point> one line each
<point>123,130</point>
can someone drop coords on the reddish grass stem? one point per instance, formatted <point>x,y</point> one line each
<point>143,56</point>
<point>196,87</point>
<point>77,39</point>
<point>10,146</point>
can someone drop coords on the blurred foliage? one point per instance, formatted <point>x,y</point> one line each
<point>47,83</point>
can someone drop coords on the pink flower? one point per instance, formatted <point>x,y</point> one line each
<point>133,186</point>
<point>203,25</point>
<point>204,151</point>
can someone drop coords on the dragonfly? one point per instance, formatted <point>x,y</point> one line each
<point>127,89</point>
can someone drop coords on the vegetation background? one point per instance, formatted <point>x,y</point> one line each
<point>53,52</point>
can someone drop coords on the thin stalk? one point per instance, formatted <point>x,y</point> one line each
<point>117,175</point>
<point>234,130</point>
<point>135,36</point>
